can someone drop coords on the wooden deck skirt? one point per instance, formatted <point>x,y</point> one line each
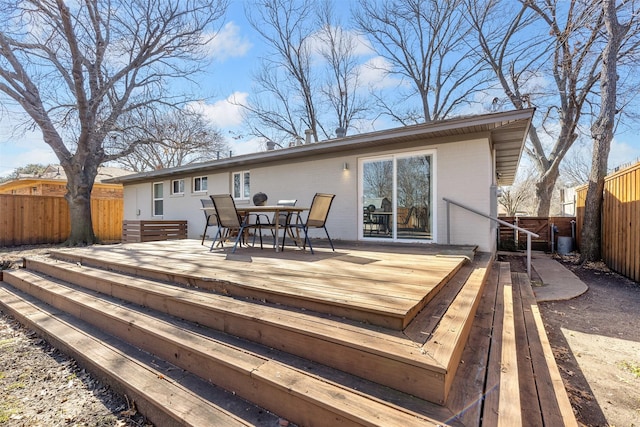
<point>136,231</point>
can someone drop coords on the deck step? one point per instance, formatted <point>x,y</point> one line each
<point>165,394</point>
<point>385,357</point>
<point>299,391</point>
<point>415,362</point>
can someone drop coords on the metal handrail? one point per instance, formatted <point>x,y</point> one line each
<point>499,221</point>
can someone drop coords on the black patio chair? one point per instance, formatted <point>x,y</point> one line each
<point>283,219</point>
<point>229,219</point>
<point>317,218</point>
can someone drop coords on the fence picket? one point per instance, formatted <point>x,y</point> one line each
<point>620,221</point>
<point>35,220</point>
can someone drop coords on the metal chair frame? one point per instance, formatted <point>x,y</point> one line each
<point>283,219</point>
<point>229,219</point>
<point>317,218</point>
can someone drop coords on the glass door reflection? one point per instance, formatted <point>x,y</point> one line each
<point>397,197</point>
<point>377,186</point>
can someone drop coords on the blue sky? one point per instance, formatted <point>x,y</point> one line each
<point>236,50</point>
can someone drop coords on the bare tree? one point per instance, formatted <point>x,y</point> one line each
<point>561,39</point>
<point>285,76</point>
<point>576,165</point>
<point>76,69</point>
<point>310,65</point>
<point>337,48</point>
<point>427,43</point>
<point>566,49</point>
<point>602,130</point>
<point>518,197</point>
<point>169,139</point>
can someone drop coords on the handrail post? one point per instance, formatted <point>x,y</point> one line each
<point>529,256</point>
<point>448,223</point>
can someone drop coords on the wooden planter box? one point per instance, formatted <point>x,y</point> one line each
<point>134,231</point>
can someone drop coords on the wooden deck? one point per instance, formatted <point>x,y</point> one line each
<point>373,335</point>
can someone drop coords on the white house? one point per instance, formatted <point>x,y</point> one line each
<point>404,173</point>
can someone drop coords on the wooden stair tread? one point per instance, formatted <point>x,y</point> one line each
<point>468,388</point>
<point>387,358</point>
<point>447,342</point>
<point>552,401</point>
<point>151,389</point>
<point>203,356</point>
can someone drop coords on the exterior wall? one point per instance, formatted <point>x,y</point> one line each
<point>464,173</point>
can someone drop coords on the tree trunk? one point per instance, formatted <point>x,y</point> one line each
<point>79,186</point>
<point>544,190</point>
<point>602,134</point>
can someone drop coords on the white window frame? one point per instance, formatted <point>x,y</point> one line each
<point>241,193</point>
<point>197,184</point>
<point>180,191</point>
<point>157,199</point>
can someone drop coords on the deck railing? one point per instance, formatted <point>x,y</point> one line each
<point>499,221</point>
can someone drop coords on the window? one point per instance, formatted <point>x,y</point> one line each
<point>241,185</point>
<point>158,202</point>
<point>200,184</point>
<point>177,186</point>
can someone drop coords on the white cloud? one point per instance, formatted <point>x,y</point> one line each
<point>229,43</point>
<point>252,145</point>
<point>225,113</point>
<point>623,153</point>
<point>23,153</point>
<point>374,73</point>
<point>19,147</point>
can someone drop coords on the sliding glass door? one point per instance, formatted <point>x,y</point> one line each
<point>397,197</point>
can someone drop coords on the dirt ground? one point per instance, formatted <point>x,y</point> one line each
<point>596,342</point>
<point>39,386</point>
<point>595,338</point>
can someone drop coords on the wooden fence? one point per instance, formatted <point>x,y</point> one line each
<point>32,220</point>
<point>510,240</point>
<point>620,221</point>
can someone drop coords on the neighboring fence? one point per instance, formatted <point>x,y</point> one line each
<point>510,240</point>
<point>620,221</point>
<point>32,220</point>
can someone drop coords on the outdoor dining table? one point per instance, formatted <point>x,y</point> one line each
<point>276,210</point>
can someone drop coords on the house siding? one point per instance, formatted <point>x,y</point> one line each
<point>463,173</point>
